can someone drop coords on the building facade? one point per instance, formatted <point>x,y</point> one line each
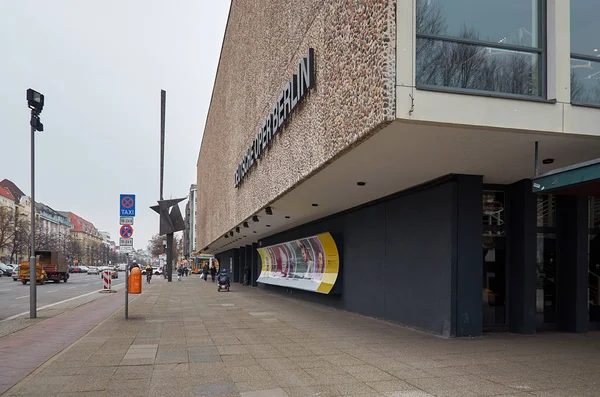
<point>409,131</point>
<point>51,222</point>
<point>86,236</point>
<point>189,234</point>
<point>7,215</point>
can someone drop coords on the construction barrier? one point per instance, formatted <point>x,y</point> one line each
<point>107,282</point>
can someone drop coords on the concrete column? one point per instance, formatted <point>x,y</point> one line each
<point>249,263</point>
<point>256,265</point>
<point>468,264</point>
<point>236,265</point>
<point>242,252</point>
<point>558,24</point>
<point>522,243</point>
<point>572,263</point>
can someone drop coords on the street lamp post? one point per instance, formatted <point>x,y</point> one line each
<point>35,101</point>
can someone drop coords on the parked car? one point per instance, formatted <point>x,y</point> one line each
<point>84,269</point>
<point>93,270</point>
<point>5,270</point>
<point>15,273</point>
<point>159,271</point>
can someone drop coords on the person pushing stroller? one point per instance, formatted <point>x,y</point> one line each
<point>223,280</point>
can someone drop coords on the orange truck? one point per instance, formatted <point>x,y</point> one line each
<point>51,266</point>
<point>24,275</point>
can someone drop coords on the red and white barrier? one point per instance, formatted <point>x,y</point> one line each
<point>107,280</point>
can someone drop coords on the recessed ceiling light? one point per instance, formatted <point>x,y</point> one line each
<point>287,217</point>
<point>268,225</point>
<point>548,161</point>
<point>315,205</point>
<point>254,231</point>
<point>361,183</point>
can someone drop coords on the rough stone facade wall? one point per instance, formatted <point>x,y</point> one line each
<point>354,94</point>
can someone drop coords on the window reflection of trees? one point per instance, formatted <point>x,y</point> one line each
<point>462,64</point>
<point>585,82</point>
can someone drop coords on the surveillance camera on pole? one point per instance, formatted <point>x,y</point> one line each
<point>35,101</point>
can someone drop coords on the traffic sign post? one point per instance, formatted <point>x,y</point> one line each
<point>126,231</point>
<point>126,220</point>
<point>127,204</point>
<point>126,216</point>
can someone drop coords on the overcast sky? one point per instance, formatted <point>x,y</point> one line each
<point>101,66</point>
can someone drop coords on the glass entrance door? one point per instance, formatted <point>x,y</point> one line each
<point>494,261</point>
<point>546,291</point>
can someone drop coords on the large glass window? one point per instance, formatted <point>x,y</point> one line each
<point>594,259</point>
<point>585,52</point>
<point>494,260</point>
<point>481,45</point>
<point>546,291</point>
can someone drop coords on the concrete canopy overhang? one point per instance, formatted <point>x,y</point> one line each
<point>581,179</point>
<point>403,155</point>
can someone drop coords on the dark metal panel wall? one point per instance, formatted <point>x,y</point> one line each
<point>572,261</point>
<point>522,209</point>
<point>468,317</point>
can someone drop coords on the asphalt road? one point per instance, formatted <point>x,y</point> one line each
<point>14,296</point>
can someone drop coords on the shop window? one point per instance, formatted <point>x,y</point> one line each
<point>546,211</point>
<point>494,260</point>
<point>594,260</point>
<point>585,52</point>
<point>458,47</point>
<point>546,270</point>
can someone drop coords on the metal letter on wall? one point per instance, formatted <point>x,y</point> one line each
<point>290,97</point>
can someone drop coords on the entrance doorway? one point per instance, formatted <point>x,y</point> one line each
<point>546,282</point>
<point>494,261</point>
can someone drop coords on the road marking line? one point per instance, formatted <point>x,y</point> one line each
<point>49,292</point>
<point>50,305</point>
<point>5,290</point>
<point>21,297</point>
<point>71,287</point>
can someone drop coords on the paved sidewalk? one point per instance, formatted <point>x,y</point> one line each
<point>186,339</point>
<point>25,350</point>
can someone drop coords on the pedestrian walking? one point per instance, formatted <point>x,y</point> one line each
<point>205,271</point>
<point>185,271</point>
<point>213,273</point>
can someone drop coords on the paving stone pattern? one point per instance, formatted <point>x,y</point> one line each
<point>187,339</point>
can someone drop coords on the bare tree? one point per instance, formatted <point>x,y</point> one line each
<point>155,245</point>
<point>19,248</point>
<point>7,227</point>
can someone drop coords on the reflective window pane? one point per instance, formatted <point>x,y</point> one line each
<point>585,82</point>
<point>506,21</point>
<point>585,28</point>
<point>546,211</point>
<point>464,66</point>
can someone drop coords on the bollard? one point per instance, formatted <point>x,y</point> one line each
<point>135,281</point>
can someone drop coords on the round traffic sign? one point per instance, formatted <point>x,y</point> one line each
<point>127,202</point>
<point>126,231</point>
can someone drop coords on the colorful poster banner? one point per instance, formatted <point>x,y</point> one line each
<point>310,264</point>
